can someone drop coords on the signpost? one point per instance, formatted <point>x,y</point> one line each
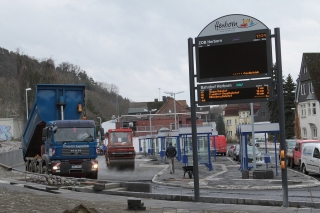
<point>234,65</point>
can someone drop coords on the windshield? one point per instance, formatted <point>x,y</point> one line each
<point>120,138</point>
<point>250,149</point>
<point>291,143</point>
<point>74,134</point>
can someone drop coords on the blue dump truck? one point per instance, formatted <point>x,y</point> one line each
<point>57,138</point>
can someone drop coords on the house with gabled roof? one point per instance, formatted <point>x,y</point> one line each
<point>235,114</point>
<point>307,104</point>
<point>163,117</point>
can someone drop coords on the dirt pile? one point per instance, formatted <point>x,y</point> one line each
<point>81,209</point>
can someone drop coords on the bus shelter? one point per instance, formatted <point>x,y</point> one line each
<point>203,145</point>
<point>151,143</point>
<point>244,130</point>
<point>164,138</point>
<point>142,144</point>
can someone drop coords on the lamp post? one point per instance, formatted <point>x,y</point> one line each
<point>150,120</point>
<point>28,89</point>
<point>174,105</point>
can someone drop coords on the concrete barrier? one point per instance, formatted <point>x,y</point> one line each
<point>11,158</point>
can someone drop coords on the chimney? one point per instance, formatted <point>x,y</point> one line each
<point>156,100</point>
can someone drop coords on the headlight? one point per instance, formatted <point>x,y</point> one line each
<point>95,166</point>
<point>55,168</point>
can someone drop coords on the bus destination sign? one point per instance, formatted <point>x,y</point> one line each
<point>234,92</point>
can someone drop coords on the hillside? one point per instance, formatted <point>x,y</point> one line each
<point>19,71</point>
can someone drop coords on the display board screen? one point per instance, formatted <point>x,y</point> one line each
<point>234,92</point>
<point>243,55</point>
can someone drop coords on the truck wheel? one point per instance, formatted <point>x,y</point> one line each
<point>30,167</point>
<point>93,176</point>
<point>38,169</point>
<point>304,170</point>
<point>44,170</point>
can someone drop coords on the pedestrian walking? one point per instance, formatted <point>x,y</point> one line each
<point>171,153</point>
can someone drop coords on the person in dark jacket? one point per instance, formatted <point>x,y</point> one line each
<point>171,153</point>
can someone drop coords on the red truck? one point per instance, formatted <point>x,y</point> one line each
<point>295,158</point>
<point>120,151</point>
<point>218,143</point>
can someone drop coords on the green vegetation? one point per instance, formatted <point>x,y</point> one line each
<point>19,71</point>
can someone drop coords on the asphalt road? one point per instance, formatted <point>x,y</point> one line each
<point>145,174</point>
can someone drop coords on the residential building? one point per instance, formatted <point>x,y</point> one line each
<point>307,103</point>
<point>148,117</point>
<point>235,114</point>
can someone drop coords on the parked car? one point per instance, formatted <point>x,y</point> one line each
<point>310,158</point>
<point>250,154</point>
<point>296,158</point>
<point>231,150</point>
<point>218,143</point>
<point>236,153</point>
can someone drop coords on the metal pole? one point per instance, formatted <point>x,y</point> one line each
<point>253,139</point>
<point>174,105</point>
<point>27,102</point>
<point>150,123</point>
<point>281,114</point>
<point>193,121</point>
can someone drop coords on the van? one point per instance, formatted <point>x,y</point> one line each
<point>220,143</point>
<point>297,150</point>
<point>310,160</point>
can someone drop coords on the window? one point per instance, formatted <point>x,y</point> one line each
<point>303,89</point>
<point>309,109</point>
<point>314,109</point>
<point>311,89</point>
<point>263,114</point>
<point>314,133</point>
<point>228,122</point>
<point>316,152</point>
<point>305,70</point>
<point>303,110</point>
<point>229,133</point>
<point>304,132</point>
<point>235,121</point>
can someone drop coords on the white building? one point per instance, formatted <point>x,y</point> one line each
<point>307,103</point>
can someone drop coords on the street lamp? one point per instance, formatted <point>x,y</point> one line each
<point>150,120</point>
<point>174,102</point>
<point>28,89</point>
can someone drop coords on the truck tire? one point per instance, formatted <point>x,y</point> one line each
<point>44,170</point>
<point>38,170</point>
<point>93,176</point>
<point>30,167</point>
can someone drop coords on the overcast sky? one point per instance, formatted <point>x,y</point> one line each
<point>141,45</point>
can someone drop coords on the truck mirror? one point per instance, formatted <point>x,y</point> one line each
<point>54,129</point>
<point>44,134</point>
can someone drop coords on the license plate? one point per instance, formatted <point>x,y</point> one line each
<point>76,166</point>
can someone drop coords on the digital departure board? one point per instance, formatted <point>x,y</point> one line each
<point>234,92</point>
<point>242,55</point>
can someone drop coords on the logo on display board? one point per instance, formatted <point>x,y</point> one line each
<point>230,26</point>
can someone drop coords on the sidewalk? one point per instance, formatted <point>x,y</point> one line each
<point>226,175</point>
